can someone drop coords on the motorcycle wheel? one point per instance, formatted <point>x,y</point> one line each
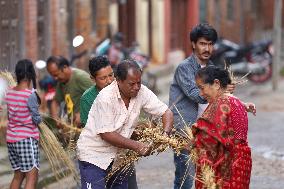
<point>261,77</point>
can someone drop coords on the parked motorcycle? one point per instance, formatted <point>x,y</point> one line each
<point>254,58</point>
<point>135,53</point>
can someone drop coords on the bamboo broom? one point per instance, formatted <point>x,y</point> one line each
<point>55,154</point>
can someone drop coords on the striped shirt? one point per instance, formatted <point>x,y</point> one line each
<point>21,124</point>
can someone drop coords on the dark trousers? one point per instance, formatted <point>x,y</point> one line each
<point>132,183</point>
<point>93,177</point>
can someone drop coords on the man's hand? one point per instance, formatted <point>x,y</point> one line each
<point>189,145</point>
<point>77,120</point>
<point>59,125</point>
<point>250,107</point>
<point>143,149</point>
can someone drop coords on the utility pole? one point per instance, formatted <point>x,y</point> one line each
<point>276,43</point>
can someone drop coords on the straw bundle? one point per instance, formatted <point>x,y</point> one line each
<point>55,154</point>
<point>68,133</point>
<point>236,80</point>
<point>3,118</point>
<point>153,136</point>
<point>9,78</point>
<point>208,177</point>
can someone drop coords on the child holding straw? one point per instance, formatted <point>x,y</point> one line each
<point>22,131</point>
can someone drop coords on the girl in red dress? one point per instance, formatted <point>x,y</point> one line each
<point>221,132</point>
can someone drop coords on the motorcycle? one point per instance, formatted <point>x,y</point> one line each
<point>254,58</point>
<point>135,53</point>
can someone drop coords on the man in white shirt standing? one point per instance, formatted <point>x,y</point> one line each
<point>111,121</point>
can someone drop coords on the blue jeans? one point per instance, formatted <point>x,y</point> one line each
<point>184,171</point>
<point>93,177</point>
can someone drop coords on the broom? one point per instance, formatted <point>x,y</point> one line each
<point>55,154</point>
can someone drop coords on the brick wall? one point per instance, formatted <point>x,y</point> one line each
<point>83,25</point>
<point>57,35</point>
<point>30,29</point>
<point>59,43</point>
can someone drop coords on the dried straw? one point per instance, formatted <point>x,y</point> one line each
<point>59,160</point>
<point>69,133</point>
<point>208,177</point>
<point>236,80</point>
<point>153,136</point>
<point>9,78</point>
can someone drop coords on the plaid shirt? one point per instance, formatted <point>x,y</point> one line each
<point>184,94</point>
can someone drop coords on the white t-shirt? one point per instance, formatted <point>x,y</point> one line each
<point>201,107</point>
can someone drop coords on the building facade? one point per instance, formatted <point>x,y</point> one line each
<point>242,21</point>
<point>36,29</point>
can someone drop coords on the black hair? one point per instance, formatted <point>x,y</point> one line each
<point>97,63</point>
<point>203,30</point>
<point>124,66</point>
<point>60,61</point>
<point>210,73</point>
<point>25,70</point>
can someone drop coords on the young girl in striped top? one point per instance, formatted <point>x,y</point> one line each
<point>22,131</point>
